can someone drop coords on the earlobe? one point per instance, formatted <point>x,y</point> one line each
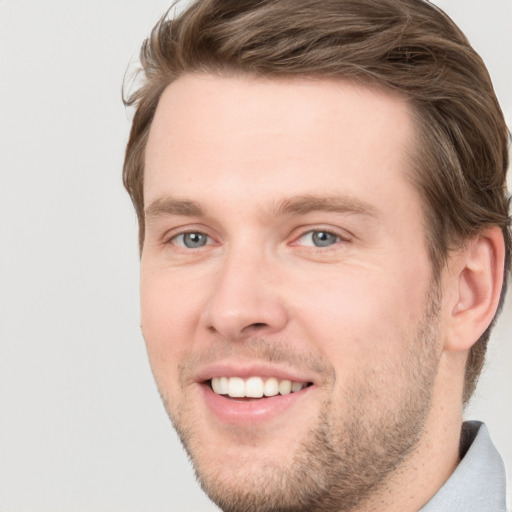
<point>478,282</point>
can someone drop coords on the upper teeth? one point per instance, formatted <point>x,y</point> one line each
<point>254,387</point>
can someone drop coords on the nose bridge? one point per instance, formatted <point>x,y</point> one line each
<point>245,295</point>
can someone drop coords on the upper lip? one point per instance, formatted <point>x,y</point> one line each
<point>246,370</point>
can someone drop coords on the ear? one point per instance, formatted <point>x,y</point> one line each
<point>476,284</point>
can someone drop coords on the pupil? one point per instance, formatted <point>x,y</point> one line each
<point>192,240</point>
<point>323,239</point>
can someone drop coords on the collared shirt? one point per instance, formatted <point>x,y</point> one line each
<point>478,482</point>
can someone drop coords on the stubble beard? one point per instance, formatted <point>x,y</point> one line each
<point>348,456</point>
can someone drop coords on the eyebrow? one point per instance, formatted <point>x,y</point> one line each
<point>170,206</point>
<point>301,205</point>
<point>297,205</point>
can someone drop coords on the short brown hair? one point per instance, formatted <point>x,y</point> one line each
<point>409,46</point>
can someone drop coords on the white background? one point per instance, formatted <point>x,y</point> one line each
<point>81,425</point>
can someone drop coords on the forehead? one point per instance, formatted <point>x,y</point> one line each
<point>281,135</point>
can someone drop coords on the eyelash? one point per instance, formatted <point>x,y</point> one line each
<point>311,232</point>
<point>173,238</point>
<point>339,238</point>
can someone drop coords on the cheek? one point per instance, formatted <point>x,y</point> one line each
<point>360,318</point>
<point>169,316</point>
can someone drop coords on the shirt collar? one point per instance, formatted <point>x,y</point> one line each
<point>478,482</point>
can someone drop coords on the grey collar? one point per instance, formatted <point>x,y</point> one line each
<point>478,482</point>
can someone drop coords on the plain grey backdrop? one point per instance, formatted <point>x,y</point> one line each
<point>82,428</point>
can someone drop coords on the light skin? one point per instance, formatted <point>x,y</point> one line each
<point>284,239</point>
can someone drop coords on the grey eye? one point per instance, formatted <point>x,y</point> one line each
<point>194,240</point>
<point>323,238</point>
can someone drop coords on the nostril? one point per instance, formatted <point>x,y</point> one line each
<point>258,325</point>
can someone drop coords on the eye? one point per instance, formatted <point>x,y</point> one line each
<point>191,240</point>
<point>319,238</point>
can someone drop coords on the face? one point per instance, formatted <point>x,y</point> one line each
<point>287,299</point>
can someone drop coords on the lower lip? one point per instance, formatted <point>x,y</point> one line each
<point>248,412</point>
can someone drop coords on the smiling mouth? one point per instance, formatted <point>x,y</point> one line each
<point>254,387</point>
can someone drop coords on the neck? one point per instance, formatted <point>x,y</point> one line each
<point>434,459</point>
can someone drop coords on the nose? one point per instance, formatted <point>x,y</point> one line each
<point>245,299</point>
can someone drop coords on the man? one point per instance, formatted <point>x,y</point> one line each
<point>320,187</point>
